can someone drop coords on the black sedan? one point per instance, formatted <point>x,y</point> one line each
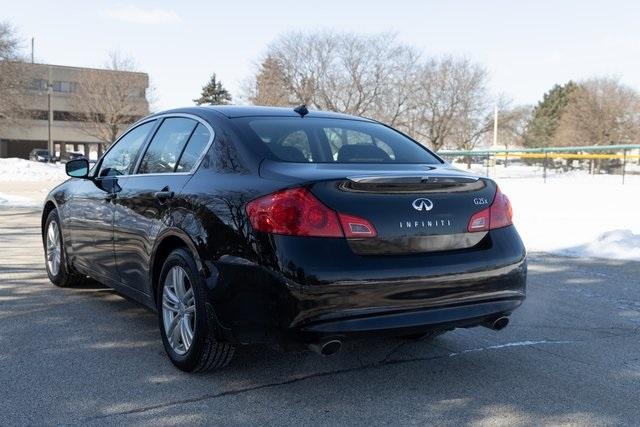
<point>244,225</point>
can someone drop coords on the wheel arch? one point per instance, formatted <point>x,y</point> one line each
<point>169,240</point>
<point>46,210</point>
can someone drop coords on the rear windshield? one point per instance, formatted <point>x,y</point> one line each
<point>315,140</point>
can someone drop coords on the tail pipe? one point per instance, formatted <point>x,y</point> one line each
<point>497,324</point>
<point>326,348</point>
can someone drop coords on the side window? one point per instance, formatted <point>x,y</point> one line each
<point>195,147</point>
<point>120,159</point>
<point>166,146</point>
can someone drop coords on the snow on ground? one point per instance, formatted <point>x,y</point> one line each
<point>578,217</point>
<point>25,184</point>
<point>17,201</point>
<point>25,170</point>
<point>572,214</point>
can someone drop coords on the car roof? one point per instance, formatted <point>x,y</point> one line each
<point>235,111</point>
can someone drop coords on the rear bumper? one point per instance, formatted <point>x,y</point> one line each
<point>413,321</point>
<point>317,289</point>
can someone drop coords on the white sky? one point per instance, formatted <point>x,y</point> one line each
<point>526,46</point>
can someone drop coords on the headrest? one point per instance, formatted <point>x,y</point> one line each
<point>362,153</point>
<point>289,154</point>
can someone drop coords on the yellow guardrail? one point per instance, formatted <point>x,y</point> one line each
<point>566,156</point>
<point>551,153</point>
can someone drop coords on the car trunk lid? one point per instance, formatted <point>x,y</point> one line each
<point>414,208</point>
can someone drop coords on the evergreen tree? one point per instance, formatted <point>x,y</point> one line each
<point>546,115</point>
<point>213,93</point>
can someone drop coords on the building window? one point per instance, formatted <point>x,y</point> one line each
<point>38,84</point>
<point>137,92</point>
<point>64,87</point>
<point>36,114</point>
<point>68,116</point>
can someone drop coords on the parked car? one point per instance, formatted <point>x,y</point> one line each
<point>70,155</point>
<point>41,155</point>
<point>244,225</point>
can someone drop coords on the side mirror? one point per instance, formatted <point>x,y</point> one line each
<point>77,168</point>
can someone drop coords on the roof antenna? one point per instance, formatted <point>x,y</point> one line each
<point>302,110</point>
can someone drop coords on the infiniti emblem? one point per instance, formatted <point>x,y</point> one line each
<point>422,204</point>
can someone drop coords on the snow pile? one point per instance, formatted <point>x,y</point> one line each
<point>24,170</point>
<point>616,244</point>
<point>17,201</point>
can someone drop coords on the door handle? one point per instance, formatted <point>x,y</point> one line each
<point>164,195</point>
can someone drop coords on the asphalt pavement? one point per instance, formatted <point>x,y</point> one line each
<point>88,356</point>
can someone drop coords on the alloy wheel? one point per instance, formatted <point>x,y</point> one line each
<point>54,248</point>
<point>178,310</point>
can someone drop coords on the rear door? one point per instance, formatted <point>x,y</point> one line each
<point>148,198</point>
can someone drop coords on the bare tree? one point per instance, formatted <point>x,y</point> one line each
<point>601,111</point>
<point>439,101</point>
<point>109,101</point>
<point>13,78</point>
<point>9,43</point>
<point>512,124</point>
<point>342,72</point>
<point>398,100</point>
<point>452,104</point>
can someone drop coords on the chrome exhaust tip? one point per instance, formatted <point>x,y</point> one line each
<point>327,348</point>
<point>497,324</point>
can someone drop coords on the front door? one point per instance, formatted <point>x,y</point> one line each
<point>89,225</point>
<point>91,211</point>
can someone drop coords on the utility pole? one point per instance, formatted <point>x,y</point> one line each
<point>495,137</point>
<point>50,118</point>
<point>33,50</point>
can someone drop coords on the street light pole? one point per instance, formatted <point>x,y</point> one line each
<point>50,119</point>
<point>492,160</point>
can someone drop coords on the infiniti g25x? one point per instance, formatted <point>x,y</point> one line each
<point>243,225</point>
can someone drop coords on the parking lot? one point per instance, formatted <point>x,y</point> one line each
<point>88,356</point>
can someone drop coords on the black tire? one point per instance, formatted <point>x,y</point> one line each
<point>66,276</point>
<point>425,336</point>
<point>206,352</point>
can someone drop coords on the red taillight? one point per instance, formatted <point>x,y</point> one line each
<point>354,226</point>
<point>498,215</point>
<point>479,221</point>
<point>501,212</point>
<point>297,212</point>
